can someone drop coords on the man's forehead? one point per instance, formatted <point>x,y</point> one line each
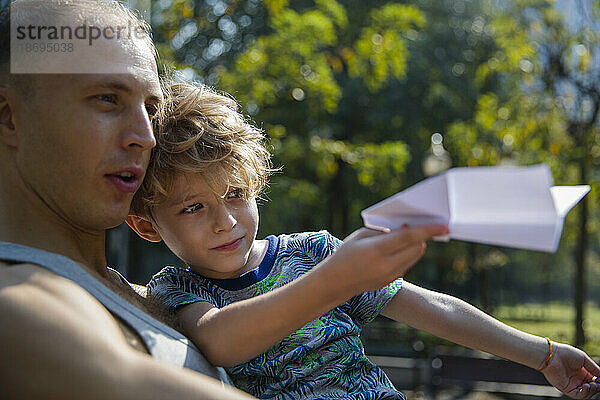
<point>109,57</point>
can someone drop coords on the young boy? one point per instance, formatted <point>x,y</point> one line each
<point>246,303</point>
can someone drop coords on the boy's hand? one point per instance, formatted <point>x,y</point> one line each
<point>572,372</point>
<point>372,259</point>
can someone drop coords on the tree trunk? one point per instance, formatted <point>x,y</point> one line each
<point>484,295</point>
<point>475,266</point>
<point>332,206</point>
<point>337,218</point>
<point>441,269</point>
<point>581,250</point>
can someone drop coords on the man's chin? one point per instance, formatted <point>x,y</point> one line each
<point>116,216</point>
<point>115,224</point>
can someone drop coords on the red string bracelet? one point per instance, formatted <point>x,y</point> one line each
<point>548,357</point>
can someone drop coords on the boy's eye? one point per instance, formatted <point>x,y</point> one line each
<point>235,194</point>
<point>194,208</point>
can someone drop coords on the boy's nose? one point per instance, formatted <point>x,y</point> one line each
<point>225,221</point>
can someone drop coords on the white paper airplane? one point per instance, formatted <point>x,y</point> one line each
<point>506,206</point>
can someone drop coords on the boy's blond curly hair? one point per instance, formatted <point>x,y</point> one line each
<point>200,131</point>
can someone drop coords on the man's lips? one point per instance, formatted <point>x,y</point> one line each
<point>127,179</point>
<point>229,246</point>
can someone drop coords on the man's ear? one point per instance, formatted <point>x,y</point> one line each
<point>143,227</point>
<point>8,133</point>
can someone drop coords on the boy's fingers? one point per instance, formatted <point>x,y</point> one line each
<point>591,367</point>
<point>400,239</point>
<point>408,257</point>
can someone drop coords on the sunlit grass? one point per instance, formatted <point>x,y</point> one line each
<point>555,320</point>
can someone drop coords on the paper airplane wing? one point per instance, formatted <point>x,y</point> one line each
<point>565,197</point>
<point>423,203</point>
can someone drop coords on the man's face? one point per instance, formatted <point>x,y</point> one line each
<point>84,140</point>
<point>214,236</point>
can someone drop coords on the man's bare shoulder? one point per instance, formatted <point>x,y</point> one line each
<point>15,273</point>
<point>28,291</point>
<point>24,277</point>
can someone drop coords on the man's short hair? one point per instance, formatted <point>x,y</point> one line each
<point>200,131</point>
<point>22,12</point>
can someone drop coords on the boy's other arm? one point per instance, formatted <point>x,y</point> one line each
<point>243,330</point>
<point>570,370</point>
<point>58,342</point>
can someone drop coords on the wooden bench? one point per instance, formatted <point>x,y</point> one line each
<point>405,373</point>
<point>466,371</point>
<point>475,372</point>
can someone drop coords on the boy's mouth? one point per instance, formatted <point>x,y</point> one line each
<point>230,246</point>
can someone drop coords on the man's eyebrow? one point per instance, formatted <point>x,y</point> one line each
<point>120,86</point>
<point>115,85</point>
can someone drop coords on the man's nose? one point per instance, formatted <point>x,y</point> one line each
<point>139,133</point>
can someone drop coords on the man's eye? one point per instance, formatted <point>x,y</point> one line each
<point>235,194</point>
<point>107,98</point>
<point>194,208</point>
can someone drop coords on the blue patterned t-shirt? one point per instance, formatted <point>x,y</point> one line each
<point>325,359</point>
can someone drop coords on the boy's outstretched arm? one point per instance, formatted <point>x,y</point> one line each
<point>245,329</point>
<point>570,370</point>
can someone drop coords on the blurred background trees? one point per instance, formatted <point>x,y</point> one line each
<point>362,99</point>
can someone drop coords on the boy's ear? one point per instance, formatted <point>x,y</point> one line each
<point>143,227</point>
<point>8,133</point>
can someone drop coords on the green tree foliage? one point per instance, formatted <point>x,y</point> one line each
<point>546,109</point>
<point>198,36</point>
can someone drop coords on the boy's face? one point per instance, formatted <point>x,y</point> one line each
<point>214,236</point>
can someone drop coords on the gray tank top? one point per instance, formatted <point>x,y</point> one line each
<point>163,342</point>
